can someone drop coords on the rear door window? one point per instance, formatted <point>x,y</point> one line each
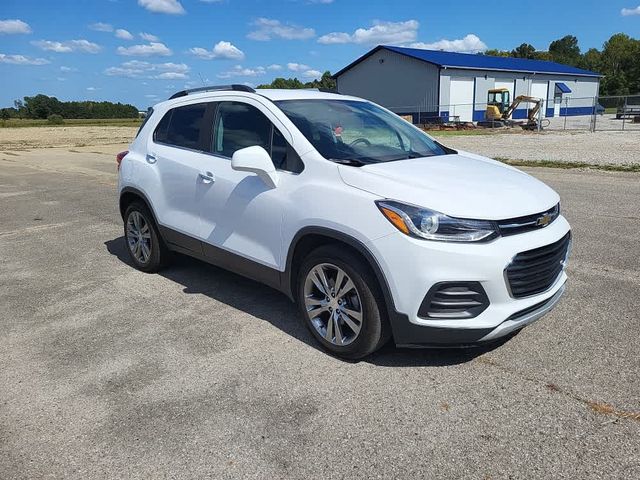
<point>183,127</point>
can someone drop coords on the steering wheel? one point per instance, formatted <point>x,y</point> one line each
<point>360,140</point>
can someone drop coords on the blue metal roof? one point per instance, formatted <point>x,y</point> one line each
<point>480,62</point>
<point>562,87</point>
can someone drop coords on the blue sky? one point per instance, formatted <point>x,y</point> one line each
<point>141,51</point>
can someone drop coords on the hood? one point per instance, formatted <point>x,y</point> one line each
<point>462,185</point>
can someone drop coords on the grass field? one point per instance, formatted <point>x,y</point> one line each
<point>72,122</point>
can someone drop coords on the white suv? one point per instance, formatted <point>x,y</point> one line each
<point>375,229</point>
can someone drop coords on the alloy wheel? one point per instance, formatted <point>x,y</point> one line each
<point>333,304</point>
<point>139,237</point>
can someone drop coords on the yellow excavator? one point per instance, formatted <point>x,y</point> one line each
<point>499,110</point>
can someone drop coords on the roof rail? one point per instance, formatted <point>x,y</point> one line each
<point>213,88</point>
<point>329,90</point>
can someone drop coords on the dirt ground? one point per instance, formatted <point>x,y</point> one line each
<point>619,148</point>
<point>42,137</point>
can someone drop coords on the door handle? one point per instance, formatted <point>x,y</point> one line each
<point>207,177</point>
<point>151,158</point>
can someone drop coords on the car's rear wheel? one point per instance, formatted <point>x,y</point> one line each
<point>144,245</point>
<point>340,301</point>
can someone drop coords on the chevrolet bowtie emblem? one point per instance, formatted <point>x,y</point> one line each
<point>544,220</point>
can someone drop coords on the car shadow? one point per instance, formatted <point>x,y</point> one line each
<point>265,303</point>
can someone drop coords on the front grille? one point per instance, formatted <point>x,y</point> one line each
<point>454,300</point>
<point>535,271</point>
<point>514,226</point>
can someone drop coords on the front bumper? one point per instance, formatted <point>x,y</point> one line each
<point>412,266</point>
<point>407,334</point>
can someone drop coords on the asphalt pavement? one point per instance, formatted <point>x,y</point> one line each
<point>107,372</point>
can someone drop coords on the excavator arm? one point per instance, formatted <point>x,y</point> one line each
<point>533,113</point>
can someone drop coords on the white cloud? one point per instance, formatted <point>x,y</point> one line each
<point>92,89</point>
<point>148,37</point>
<point>335,37</point>
<point>627,12</point>
<point>68,69</point>
<point>12,27</point>
<point>101,27</point>
<point>151,49</point>
<point>312,74</point>
<point>123,34</point>
<point>84,46</point>
<point>469,44</point>
<point>171,7</point>
<point>172,76</point>
<point>322,2</point>
<point>267,29</point>
<point>379,33</point>
<point>221,50</point>
<point>240,71</point>
<point>142,69</point>
<point>22,60</point>
<point>274,67</point>
<point>298,67</point>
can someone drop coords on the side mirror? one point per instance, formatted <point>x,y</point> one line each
<point>256,160</point>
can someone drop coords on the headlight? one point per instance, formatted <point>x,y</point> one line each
<point>430,225</point>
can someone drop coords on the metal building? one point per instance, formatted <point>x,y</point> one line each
<point>428,84</point>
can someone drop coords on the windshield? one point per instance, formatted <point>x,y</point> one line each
<point>358,132</point>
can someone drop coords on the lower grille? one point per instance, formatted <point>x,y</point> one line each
<point>454,300</point>
<point>535,271</point>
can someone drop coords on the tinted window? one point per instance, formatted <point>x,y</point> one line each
<point>182,126</point>
<point>239,126</point>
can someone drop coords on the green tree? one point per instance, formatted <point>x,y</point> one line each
<point>325,81</point>
<point>525,50</point>
<point>565,50</point>
<point>497,53</point>
<point>591,60</point>
<point>620,62</point>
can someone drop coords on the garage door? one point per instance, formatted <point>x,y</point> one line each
<point>461,98</point>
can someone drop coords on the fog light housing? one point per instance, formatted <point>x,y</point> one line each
<point>454,300</point>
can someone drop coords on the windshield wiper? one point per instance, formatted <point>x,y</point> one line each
<point>348,161</point>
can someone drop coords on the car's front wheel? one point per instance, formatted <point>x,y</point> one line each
<point>341,304</point>
<point>144,245</point>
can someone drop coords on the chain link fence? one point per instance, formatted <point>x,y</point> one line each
<point>611,113</point>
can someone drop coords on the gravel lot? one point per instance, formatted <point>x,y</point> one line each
<point>111,373</point>
<point>619,148</point>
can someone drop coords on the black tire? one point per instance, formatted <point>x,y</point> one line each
<point>375,330</point>
<point>159,254</point>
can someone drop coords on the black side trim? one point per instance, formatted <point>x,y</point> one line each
<point>242,266</point>
<point>181,243</point>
